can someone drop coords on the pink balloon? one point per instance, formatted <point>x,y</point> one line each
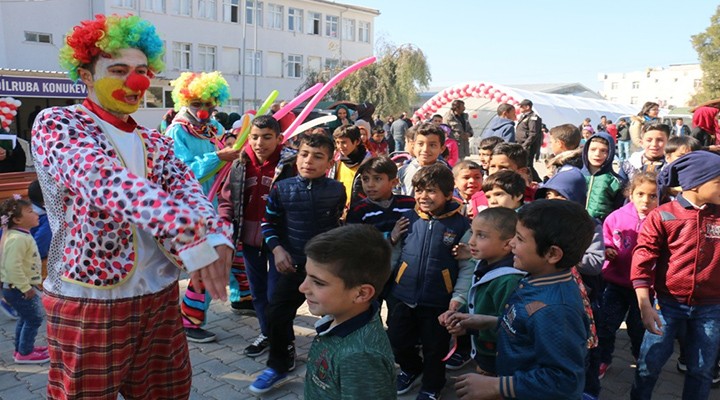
<point>296,101</point>
<point>474,115</point>
<point>486,90</point>
<point>504,98</point>
<point>467,85</point>
<point>320,94</point>
<point>444,101</point>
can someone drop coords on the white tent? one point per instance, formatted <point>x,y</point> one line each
<point>482,99</point>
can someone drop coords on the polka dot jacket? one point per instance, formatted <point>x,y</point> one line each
<point>95,204</point>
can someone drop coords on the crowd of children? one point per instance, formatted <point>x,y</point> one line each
<point>476,262</point>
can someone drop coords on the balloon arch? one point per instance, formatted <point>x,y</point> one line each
<point>482,99</point>
<point>464,91</point>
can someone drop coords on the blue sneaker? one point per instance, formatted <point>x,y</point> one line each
<point>266,381</point>
<point>8,310</point>
<point>405,381</point>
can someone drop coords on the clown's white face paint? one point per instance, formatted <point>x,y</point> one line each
<point>119,83</point>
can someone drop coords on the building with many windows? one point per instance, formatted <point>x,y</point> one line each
<point>258,45</point>
<point>670,87</point>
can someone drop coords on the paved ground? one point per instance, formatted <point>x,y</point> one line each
<point>220,371</point>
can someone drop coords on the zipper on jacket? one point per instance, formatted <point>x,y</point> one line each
<point>587,199</point>
<point>423,256</point>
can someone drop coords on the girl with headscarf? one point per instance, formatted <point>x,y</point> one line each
<point>343,118</point>
<point>706,129</point>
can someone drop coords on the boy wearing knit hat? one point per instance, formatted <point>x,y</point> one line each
<point>678,255</point>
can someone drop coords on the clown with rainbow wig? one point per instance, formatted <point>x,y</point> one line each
<point>196,142</point>
<point>126,216</point>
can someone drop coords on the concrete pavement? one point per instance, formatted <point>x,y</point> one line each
<point>221,371</point>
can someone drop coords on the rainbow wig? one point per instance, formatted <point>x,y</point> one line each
<point>106,36</point>
<point>209,86</point>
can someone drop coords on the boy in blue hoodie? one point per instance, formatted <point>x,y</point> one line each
<point>425,282</point>
<point>504,125</point>
<point>604,186</point>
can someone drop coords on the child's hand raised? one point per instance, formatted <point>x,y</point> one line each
<point>461,252</point>
<point>401,226</point>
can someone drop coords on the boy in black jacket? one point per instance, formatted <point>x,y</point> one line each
<point>298,209</point>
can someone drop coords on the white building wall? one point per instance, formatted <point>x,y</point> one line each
<point>670,87</point>
<point>276,45</point>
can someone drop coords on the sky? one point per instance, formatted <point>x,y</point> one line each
<point>542,41</point>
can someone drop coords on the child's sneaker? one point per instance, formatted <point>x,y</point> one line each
<point>43,349</point>
<point>266,381</point>
<point>602,370</point>
<point>405,381</point>
<point>258,347</point>
<point>423,395</point>
<point>681,366</point>
<point>8,310</point>
<point>199,335</point>
<point>457,361</point>
<point>35,357</point>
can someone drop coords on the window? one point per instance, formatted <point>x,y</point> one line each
<point>633,100</point>
<point>232,105</point>
<point>253,62</point>
<point>206,58</point>
<point>182,56</point>
<point>314,63</point>
<point>331,64</point>
<point>125,3</point>
<point>154,97</point>
<point>294,66</point>
<point>348,29</point>
<point>295,19</point>
<point>231,11</point>
<point>636,85</point>
<point>38,37</point>
<point>273,64</point>
<point>250,17</point>
<point>207,9</point>
<point>169,103</point>
<point>157,6</point>
<point>331,26</point>
<point>697,83</point>
<point>183,7</point>
<point>275,16</point>
<point>364,32</point>
<point>614,85</point>
<point>315,19</point>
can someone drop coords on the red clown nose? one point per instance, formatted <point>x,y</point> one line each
<point>203,114</point>
<point>137,82</point>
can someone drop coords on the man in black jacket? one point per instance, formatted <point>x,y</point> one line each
<point>528,133</point>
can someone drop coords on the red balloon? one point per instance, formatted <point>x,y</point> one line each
<point>474,115</point>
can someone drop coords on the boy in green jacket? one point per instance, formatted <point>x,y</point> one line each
<point>494,280</point>
<point>351,357</point>
<point>604,186</point>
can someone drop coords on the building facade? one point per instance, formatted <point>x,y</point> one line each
<point>670,87</point>
<point>259,46</point>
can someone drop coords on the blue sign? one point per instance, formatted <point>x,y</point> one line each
<point>21,86</point>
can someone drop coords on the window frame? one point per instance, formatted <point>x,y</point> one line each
<point>178,53</point>
<point>294,64</point>
<point>330,21</point>
<point>295,19</point>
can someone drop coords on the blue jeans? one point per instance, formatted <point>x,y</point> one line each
<point>399,144</point>
<point>262,276</point>
<point>30,317</point>
<point>623,147</point>
<point>701,349</point>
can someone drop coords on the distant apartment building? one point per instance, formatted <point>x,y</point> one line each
<point>670,87</point>
<point>259,46</point>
